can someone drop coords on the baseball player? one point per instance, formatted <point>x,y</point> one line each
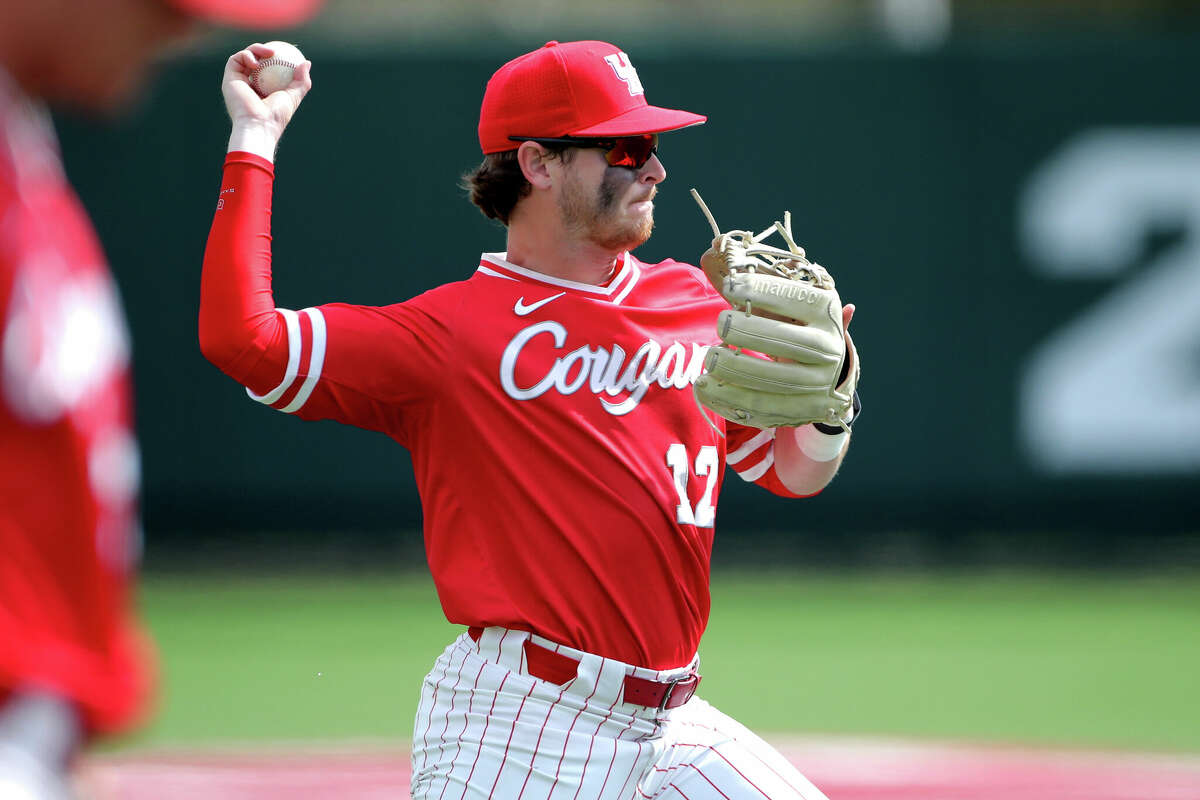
<point>568,477</point>
<point>73,664</point>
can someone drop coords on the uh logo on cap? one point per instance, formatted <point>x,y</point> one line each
<point>624,69</point>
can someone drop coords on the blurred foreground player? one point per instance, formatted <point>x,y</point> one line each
<point>569,480</point>
<point>72,662</point>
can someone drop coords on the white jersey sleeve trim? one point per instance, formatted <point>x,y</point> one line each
<point>759,469</point>
<point>293,364</point>
<point>315,363</point>
<point>750,446</point>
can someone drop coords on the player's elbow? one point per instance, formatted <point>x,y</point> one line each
<point>218,346</point>
<point>254,352</point>
<point>231,348</point>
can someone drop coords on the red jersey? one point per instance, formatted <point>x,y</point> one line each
<point>68,458</point>
<point>569,480</point>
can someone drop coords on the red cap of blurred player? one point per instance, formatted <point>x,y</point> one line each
<point>570,89</point>
<point>250,13</point>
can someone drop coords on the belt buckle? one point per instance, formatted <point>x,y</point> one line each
<point>692,681</point>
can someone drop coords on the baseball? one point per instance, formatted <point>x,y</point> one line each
<point>275,73</point>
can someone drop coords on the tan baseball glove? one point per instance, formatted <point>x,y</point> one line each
<point>787,309</point>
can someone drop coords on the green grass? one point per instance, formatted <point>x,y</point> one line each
<point>1109,661</point>
<point>1099,661</point>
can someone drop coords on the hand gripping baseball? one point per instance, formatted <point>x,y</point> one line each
<point>786,308</point>
<point>259,122</point>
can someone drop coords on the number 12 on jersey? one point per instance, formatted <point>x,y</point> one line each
<point>705,513</point>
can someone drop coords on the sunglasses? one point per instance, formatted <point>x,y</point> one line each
<point>626,151</point>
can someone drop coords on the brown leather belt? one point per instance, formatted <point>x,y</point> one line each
<point>547,665</point>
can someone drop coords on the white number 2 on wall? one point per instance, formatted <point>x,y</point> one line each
<point>705,513</point>
<point>1114,389</point>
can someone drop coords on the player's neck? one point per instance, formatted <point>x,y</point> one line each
<point>561,257</point>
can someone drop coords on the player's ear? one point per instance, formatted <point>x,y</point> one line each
<point>535,161</point>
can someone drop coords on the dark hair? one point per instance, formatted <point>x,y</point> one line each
<point>498,183</point>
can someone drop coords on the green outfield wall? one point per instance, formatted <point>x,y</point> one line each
<point>1018,223</point>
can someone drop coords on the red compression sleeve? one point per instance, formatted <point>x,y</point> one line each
<point>238,323</point>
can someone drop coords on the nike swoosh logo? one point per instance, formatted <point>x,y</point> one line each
<point>521,310</point>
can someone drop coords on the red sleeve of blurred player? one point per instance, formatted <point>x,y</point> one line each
<point>68,459</point>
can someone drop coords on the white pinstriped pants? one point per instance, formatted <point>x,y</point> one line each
<point>486,728</point>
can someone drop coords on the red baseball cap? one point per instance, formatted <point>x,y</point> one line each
<point>250,13</point>
<point>570,89</point>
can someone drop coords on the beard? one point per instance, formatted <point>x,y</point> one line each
<point>596,218</point>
